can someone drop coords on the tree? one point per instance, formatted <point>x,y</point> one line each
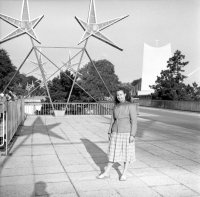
<point>193,92</point>
<point>92,83</point>
<point>7,69</point>
<point>170,86</point>
<point>60,87</point>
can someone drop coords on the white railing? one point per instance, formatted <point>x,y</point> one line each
<point>11,116</point>
<point>32,108</point>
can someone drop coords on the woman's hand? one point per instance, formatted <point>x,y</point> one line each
<point>131,139</point>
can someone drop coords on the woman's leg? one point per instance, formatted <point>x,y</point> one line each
<point>125,168</point>
<point>106,173</point>
<point>109,166</point>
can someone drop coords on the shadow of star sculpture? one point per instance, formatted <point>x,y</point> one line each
<point>92,28</point>
<point>24,25</point>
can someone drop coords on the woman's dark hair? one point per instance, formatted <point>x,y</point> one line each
<point>127,98</point>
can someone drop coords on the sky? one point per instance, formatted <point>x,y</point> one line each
<point>169,21</point>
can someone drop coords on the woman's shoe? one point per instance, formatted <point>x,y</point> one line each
<point>103,176</point>
<point>123,178</point>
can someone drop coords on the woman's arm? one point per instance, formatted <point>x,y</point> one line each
<point>133,117</point>
<point>111,122</point>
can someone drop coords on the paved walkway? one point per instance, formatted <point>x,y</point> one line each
<point>61,157</point>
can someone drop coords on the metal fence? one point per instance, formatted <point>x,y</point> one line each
<point>11,116</point>
<point>68,108</point>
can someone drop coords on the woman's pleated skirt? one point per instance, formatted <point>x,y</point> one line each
<point>119,149</point>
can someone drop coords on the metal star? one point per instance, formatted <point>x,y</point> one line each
<point>69,65</point>
<point>38,65</point>
<point>24,26</point>
<point>28,87</point>
<point>92,28</point>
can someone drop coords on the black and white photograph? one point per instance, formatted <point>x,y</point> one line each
<point>100,98</point>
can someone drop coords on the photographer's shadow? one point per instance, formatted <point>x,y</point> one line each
<point>99,156</point>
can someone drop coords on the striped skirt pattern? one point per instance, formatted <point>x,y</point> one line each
<point>119,149</point>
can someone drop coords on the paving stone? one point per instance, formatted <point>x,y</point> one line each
<point>175,191</point>
<point>138,192</point>
<point>72,161</point>
<point>43,152</point>
<point>24,190</point>
<point>145,172</point>
<point>79,168</point>
<point>17,180</point>
<point>103,193</point>
<point>186,178</point>
<point>157,164</point>
<point>44,157</point>
<point>96,155</point>
<point>194,169</point>
<point>16,171</point>
<point>158,180</point>
<point>43,188</point>
<point>91,185</point>
<point>138,164</point>
<point>194,186</point>
<point>80,176</point>
<point>59,177</point>
<point>171,156</point>
<point>48,170</point>
<point>171,171</point>
<point>130,182</point>
<point>97,160</point>
<point>183,162</point>
<point>41,163</point>
<point>66,151</point>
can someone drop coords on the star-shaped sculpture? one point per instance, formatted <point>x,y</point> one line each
<point>69,65</point>
<point>24,25</point>
<point>28,87</point>
<point>41,83</point>
<point>92,28</point>
<point>38,65</point>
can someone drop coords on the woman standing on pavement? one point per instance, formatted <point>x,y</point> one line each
<point>121,134</point>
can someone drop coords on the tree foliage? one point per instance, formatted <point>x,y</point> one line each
<point>60,87</point>
<point>93,84</point>
<point>7,69</point>
<point>169,85</point>
<point>18,85</point>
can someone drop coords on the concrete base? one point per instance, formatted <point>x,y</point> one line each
<point>59,112</point>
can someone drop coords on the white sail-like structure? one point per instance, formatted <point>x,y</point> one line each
<point>154,60</point>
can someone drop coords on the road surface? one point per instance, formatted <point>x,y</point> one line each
<point>185,119</point>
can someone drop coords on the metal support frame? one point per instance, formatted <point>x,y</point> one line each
<point>42,72</point>
<point>69,76</point>
<point>77,70</point>
<point>98,72</point>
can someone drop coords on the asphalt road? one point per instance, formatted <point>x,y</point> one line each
<point>189,120</point>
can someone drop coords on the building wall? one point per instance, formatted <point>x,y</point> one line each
<point>154,60</point>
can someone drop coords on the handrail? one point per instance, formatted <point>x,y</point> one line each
<point>2,122</point>
<point>79,108</point>
<point>12,113</point>
<point>100,108</point>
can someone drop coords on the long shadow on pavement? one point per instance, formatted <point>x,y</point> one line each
<point>99,156</point>
<point>27,131</point>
